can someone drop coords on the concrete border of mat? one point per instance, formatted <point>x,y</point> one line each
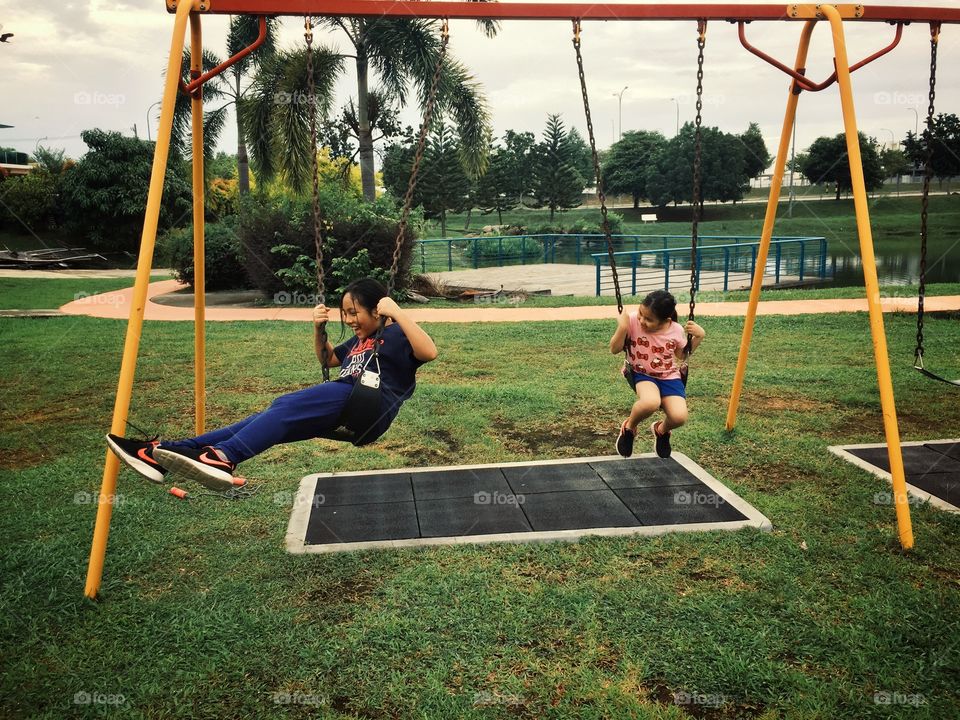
<point>841,452</point>
<point>300,516</point>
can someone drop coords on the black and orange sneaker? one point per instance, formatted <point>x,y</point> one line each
<point>662,441</point>
<point>138,456</point>
<point>625,441</point>
<point>208,466</point>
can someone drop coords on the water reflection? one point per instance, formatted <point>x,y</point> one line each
<point>898,265</point>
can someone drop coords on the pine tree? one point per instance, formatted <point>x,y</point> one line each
<point>556,182</point>
<point>442,184</point>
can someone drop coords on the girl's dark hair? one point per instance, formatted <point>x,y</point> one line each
<point>662,304</point>
<point>366,292</point>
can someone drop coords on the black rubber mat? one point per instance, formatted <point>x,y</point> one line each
<point>530,498</point>
<point>932,467</point>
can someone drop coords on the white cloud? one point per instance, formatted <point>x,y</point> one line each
<point>115,54</point>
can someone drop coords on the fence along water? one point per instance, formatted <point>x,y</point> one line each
<point>646,262</point>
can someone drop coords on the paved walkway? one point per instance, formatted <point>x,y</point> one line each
<point>117,305</point>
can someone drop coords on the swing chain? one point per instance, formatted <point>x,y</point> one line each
<point>697,162</point>
<point>925,194</point>
<point>418,156</point>
<point>596,167</point>
<point>318,237</point>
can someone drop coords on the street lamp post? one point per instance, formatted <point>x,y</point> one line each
<point>677,103</point>
<point>148,119</point>
<point>916,121</point>
<point>619,97</point>
<point>893,141</point>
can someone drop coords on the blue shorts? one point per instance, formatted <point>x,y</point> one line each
<point>666,387</point>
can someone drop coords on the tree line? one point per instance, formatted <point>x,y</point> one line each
<point>554,171</point>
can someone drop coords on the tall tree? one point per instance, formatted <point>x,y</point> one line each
<point>827,162</point>
<point>723,168</point>
<point>493,186</point>
<point>443,185</point>
<point>519,150</point>
<point>629,160</point>
<point>404,52</point>
<point>582,156</point>
<point>945,142</point>
<point>756,157</point>
<point>556,182</point>
<point>232,85</point>
<point>276,112</point>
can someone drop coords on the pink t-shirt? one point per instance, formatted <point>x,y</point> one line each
<point>654,354</point>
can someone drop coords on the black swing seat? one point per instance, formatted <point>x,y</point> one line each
<point>362,411</point>
<point>933,376</point>
<point>359,416</point>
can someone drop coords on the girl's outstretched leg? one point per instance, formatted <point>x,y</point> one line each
<point>296,416</point>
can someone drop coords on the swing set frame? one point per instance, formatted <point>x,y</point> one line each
<point>192,11</point>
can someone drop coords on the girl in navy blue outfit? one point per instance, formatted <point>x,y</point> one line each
<point>211,458</point>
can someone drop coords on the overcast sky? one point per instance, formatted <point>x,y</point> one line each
<point>78,65</point>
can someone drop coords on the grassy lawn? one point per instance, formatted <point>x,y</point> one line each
<point>48,293</point>
<point>202,614</point>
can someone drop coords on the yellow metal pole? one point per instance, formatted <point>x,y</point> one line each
<point>199,283</point>
<point>776,183</point>
<point>887,404</point>
<point>135,322</point>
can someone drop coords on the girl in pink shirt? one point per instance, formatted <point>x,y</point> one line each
<point>655,343</point>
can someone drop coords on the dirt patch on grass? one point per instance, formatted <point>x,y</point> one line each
<point>701,705</point>
<point>737,462</point>
<point>443,445</point>
<point>766,403</point>
<point>21,458</point>
<point>574,437</point>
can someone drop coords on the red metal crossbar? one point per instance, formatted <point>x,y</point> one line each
<point>458,9</point>
<point>197,80</point>
<point>803,82</point>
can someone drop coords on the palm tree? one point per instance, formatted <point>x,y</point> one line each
<point>243,30</point>
<point>404,52</point>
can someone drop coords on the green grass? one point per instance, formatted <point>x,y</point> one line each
<point>49,293</point>
<point>203,615</point>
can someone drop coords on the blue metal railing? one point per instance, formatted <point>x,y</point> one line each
<point>477,252</point>
<point>793,260</point>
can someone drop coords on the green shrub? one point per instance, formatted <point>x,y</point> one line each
<point>105,194</point>
<point>278,239</point>
<point>223,266</point>
<point>508,247</point>
<point>30,203</point>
